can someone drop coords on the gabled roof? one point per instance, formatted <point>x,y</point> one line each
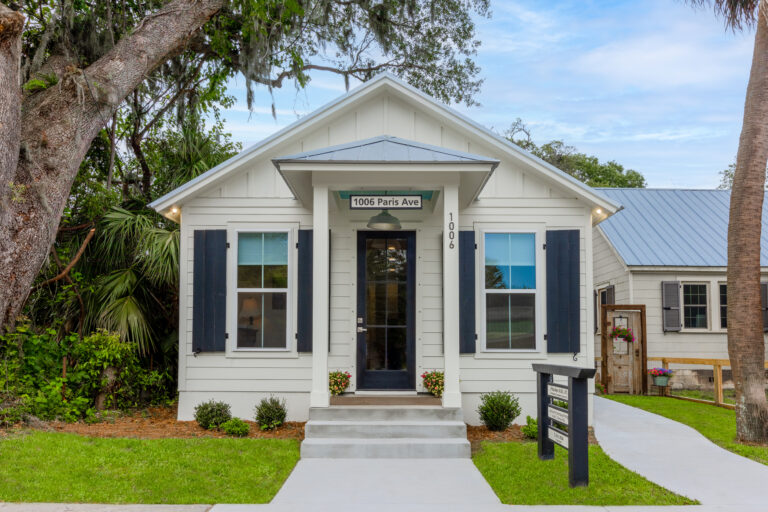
<point>381,82</point>
<point>672,227</point>
<point>385,149</point>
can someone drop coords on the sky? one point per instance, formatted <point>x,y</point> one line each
<point>655,85</point>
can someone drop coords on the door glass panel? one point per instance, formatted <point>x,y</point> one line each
<point>376,303</point>
<point>396,359</point>
<point>397,303</point>
<point>375,350</point>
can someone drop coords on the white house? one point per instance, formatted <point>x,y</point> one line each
<point>296,261</point>
<point>667,249</point>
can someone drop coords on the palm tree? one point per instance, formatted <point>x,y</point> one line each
<point>746,346</point>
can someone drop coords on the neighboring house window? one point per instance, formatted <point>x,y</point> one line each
<point>604,296</point>
<point>723,306</point>
<point>694,306</point>
<point>510,291</point>
<point>262,290</point>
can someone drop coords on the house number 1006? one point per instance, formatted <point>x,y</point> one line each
<point>451,231</point>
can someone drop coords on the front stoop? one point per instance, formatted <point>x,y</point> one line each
<point>385,432</point>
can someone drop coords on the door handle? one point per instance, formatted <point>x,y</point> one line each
<point>361,329</point>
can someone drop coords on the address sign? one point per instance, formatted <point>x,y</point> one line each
<point>381,202</point>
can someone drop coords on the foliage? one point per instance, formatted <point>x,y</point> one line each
<point>212,414</point>
<point>518,477</point>
<point>531,428</point>
<point>434,381</point>
<point>624,333</point>
<point>13,410</point>
<point>338,382</point>
<point>270,413</point>
<point>583,167</point>
<point>715,423</point>
<point>726,177</point>
<point>498,409</point>
<point>600,388</point>
<point>236,427</point>
<point>55,467</point>
<point>34,381</point>
<point>660,372</point>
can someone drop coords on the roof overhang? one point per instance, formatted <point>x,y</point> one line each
<point>301,177</point>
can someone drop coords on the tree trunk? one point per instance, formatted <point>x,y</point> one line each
<point>745,323</point>
<point>11,26</point>
<point>57,127</point>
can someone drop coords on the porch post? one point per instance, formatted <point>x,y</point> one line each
<point>320,283</point>
<point>452,392</point>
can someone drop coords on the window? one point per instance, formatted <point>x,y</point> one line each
<point>510,291</point>
<point>695,306</point>
<point>723,306</point>
<point>262,290</point>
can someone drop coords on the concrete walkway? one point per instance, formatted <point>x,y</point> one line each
<point>677,457</point>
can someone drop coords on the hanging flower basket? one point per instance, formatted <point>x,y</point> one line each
<point>624,333</point>
<point>660,376</point>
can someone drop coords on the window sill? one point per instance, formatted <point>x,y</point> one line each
<point>510,354</point>
<point>260,353</point>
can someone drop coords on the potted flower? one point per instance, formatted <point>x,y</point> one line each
<point>624,333</point>
<point>660,376</point>
<point>434,381</point>
<point>338,382</point>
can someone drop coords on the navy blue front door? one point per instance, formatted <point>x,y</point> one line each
<point>386,309</point>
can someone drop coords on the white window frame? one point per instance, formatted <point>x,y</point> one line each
<point>708,305</point>
<point>289,290</point>
<point>540,316</point>
<point>599,305</point>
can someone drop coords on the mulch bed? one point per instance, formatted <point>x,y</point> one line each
<point>160,422</point>
<point>478,434</point>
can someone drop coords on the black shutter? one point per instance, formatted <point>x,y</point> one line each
<point>304,292</point>
<point>467,292</point>
<point>670,305</point>
<point>563,291</point>
<point>610,295</point>
<point>764,304</point>
<point>209,300</point>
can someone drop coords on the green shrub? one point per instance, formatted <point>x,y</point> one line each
<point>531,428</point>
<point>270,413</point>
<point>236,427</point>
<point>338,382</point>
<point>212,414</point>
<point>12,410</point>
<point>498,409</point>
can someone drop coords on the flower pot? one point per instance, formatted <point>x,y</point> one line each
<point>661,380</point>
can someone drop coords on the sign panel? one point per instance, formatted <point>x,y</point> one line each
<point>379,202</point>
<point>557,414</point>
<point>557,391</point>
<point>558,437</point>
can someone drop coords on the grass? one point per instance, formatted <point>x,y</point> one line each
<point>518,477</point>
<point>700,394</point>
<point>715,423</point>
<point>56,467</point>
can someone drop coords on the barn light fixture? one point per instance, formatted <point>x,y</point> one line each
<point>384,221</point>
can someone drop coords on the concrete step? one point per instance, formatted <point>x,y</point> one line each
<point>401,448</point>
<point>385,429</point>
<point>382,413</point>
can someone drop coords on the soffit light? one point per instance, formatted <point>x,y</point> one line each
<point>384,221</point>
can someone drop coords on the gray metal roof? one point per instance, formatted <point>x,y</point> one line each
<point>386,149</point>
<point>672,227</point>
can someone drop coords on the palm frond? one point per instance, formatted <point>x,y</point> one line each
<point>738,14</point>
<point>126,317</point>
<point>159,256</point>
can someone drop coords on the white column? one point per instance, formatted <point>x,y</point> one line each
<point>320,396</point>
<point>452,392</point>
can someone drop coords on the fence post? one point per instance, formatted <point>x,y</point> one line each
<point>665,365</point>
<point>578,434</point>
<point>718,378</point>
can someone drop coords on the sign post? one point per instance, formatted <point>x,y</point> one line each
<point>562,417</point>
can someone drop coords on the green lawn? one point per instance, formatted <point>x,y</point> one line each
<point>518,477</point>
<point>55,467</point>
<point>701,394</point>
<point>715,423</point>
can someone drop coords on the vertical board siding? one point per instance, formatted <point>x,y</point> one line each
<point>210,291</point>
<point>563,290</point>
<point>304,292</point>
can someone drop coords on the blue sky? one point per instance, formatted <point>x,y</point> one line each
<point>655,85</point>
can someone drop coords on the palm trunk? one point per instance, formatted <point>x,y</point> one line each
<point>57,127</point>
<point>746,346</point>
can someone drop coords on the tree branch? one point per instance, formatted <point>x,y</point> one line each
<point>64,273</point>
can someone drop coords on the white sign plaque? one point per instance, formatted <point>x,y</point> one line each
<point>558,437</point>
<point>559,392</point>
<point>378,202</point>
<point>557,415</point>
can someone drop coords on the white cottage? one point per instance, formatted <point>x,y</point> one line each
<point>384,234</point>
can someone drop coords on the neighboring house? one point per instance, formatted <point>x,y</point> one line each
<point>282,279</point>
<point>667,249</point>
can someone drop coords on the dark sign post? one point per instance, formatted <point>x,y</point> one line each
<point>574,437</point>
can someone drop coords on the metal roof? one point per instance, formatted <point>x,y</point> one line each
<point>386,149</point>
<point>672,227</point>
